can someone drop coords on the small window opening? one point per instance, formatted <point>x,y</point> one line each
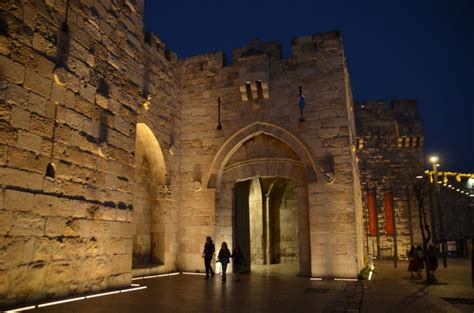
<point>248,89</point>
<point>407,142</point>
<point>400,142</point>
<point>259,89</point>
<point>51,170</point>
<point>103,88</point>
<point>300,90</point>
<point>315,46</point>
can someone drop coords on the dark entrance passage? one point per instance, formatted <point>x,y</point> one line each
<point>241,220</point>
<point>265,221</point>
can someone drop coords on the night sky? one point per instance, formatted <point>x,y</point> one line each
<point>395,49</point>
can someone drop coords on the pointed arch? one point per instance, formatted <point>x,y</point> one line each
<point>152,151</point>
<point>234,142</point>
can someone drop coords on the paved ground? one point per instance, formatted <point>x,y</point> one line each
<point>279,290</point>
<point>392,290</point>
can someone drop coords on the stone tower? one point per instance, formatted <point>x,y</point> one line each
<point>390,151</point>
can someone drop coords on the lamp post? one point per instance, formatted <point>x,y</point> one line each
<point>434,162</point>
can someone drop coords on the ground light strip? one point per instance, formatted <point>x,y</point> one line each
<point>134,288</point>
<point>192,273</point>
<point>338,279</point>
<point>155,276</point>
<point>22,309</point>
<point>60,301</point>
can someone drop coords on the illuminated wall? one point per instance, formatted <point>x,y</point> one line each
<point>112,154</point>
<point>390,150</point>
<point>72,92</point>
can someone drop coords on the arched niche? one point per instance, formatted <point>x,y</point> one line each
<point>148,218</point>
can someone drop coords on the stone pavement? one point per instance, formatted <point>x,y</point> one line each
<point>277,290</point>
<point>392,290</point>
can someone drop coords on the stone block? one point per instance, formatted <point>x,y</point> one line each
<point>41,126</point>
<point>37,103</point>
<point>17,95</point>
<point>18,201</point>
<point>37,83</point>
<point>29,141</point>
<point>44,66</point>
<point>12,71</point>
<point>43,45</point>
<point>59,226</point>
<point>20,118</point>
<point>25,224</point>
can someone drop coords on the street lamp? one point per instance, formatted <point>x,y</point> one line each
<point>434,162</point>
<point>434,159</point>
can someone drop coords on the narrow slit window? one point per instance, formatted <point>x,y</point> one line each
<point>407,142</point>
<point>259,89</point>
<point>248,89</point>
<point>51,170</point>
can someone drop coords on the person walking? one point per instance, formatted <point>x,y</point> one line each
<point>433,260</point>
<point>419,261</point>
<point>223,257</point>
<point>411,261</point>
<point>208,255</point>
<point>237,260</point>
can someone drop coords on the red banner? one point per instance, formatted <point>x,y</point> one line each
<point>372,215</point>
<point>387,205</point>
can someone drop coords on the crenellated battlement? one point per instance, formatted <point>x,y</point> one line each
<point>398,121</point>
<point>309,47</point>
<point>304,47</point>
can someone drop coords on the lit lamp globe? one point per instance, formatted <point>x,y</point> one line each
<point>434,159</point>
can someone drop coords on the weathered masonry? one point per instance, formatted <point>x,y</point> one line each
<point>390,150</point>
<point>118,158</point>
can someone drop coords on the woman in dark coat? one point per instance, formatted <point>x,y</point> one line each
<point>237,259</point>
<point>223,257</point>
<point>419,261</point>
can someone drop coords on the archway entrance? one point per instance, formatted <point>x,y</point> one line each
<point>150,174</point>
<point>265,224</point>
<point>262,183</point>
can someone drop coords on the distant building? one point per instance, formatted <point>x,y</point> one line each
<point>390,151</point>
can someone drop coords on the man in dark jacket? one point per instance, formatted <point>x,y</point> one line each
<point>208,255</point>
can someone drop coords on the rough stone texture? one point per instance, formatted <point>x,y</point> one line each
<point>390,152</point>
<point>73,99</point>
<point>113,164</point>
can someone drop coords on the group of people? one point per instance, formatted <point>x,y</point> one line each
<point>223,257</point>
<point>416,260</point>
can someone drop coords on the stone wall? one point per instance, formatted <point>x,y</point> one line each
<point>71,92</point>
<point>390,152</point>
<point>115,154</point>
